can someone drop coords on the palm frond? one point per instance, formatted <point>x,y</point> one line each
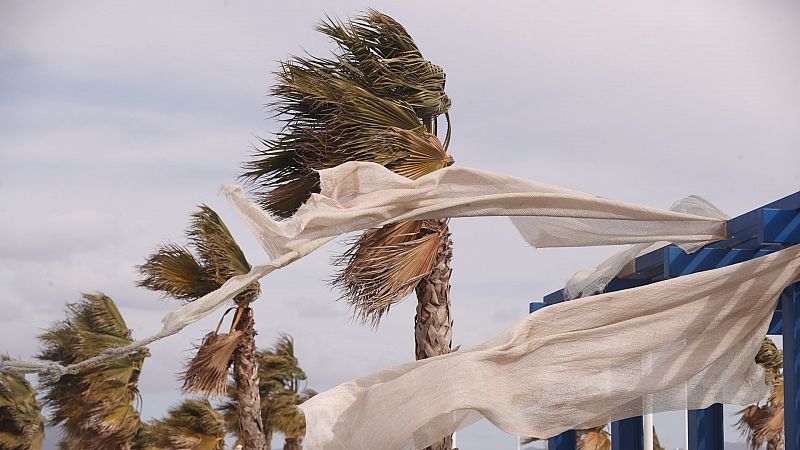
<point>207,372</point>
<point>365,104</point>
<point>95,407</point>
<point>173,270</point>
<point>192,425</point>
<point>21,420</point>
<point>176,272</point>
<point>385,264</point>
<point>770,357</point>
<point>595,439</point>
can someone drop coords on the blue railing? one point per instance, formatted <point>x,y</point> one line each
<point>759,232</point>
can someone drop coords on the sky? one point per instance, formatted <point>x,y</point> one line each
<point>118,118</point>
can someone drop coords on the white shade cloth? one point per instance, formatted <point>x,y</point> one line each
<point>683,343</point>
<point>357,195</point>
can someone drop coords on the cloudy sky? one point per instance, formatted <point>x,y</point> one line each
<point>116,119</point>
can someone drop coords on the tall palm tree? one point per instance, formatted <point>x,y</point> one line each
<point>280,387</point>
<point>96,406</point>
<point>376,100</point>
<point>764,424</point>
<point>21,420</point>
<point>173,270</point>
<point>192,425</point>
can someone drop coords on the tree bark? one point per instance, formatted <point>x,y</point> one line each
<point>245,374</point>
<point>293,443</point>
<point>433,329</point>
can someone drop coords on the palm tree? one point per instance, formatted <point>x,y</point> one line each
<point>173,270</point>
<point>280,387</point>
<point>764,424</point>
<point>21,420</point>
<point>192,425</point>
<point>376,100</point>
<point>96,406</point>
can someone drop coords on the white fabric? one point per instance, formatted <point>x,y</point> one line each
<point>594,280</point>
<point>356,196</point>
<point>687,342</point>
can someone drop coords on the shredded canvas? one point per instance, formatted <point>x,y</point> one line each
<point>687,342</point>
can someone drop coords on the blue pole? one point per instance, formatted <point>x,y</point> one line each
<point>567,440</point>
<point>706,428</point>
<point>628,434</point>
<point>791,365</point>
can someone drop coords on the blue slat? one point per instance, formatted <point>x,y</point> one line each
<point>682,263</point>
<point>780,226</point>
<point>776,325</point>
<point>791,365</point>
<point>628,434</point>
<point>567,440</point>
<point>706,428</point>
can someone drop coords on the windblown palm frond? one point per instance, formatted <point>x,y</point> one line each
<point>595,439</point>
<point>94,407</point>
<point>192,425</point>
<point>176,272</point>
<point>764,424</point>
<point>207,372</point>
<point>375,100</point>
<point>365,104</point>
<point>385,265</point>
<point>21,420</point>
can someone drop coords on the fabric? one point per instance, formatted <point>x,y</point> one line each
<point>357,195</point>
<point>594,280</point>
<point>683,343</point>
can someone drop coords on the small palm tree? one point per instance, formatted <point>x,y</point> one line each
<point>377,100</point>
<point>21,420</point>
<point>173,270</point>
<point>192,425</point>
<point>764,424</point>
<point>280,378</point>
<point>96,406</point>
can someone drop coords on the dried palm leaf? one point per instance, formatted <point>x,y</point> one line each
<point>595,439</point>
<point>385,264</point>
<point>207,372</point>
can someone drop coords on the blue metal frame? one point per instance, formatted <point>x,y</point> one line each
<point>759,232</point>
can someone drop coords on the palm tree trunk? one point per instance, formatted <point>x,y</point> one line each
<point>245,374</point>
<point>293,443</point>
<point>433,329</point>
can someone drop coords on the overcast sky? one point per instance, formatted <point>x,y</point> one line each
<point>116,119</point>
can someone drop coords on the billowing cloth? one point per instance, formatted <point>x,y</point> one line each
<point>683,343</point>
<point>594,280</point>
<point>357,196</point>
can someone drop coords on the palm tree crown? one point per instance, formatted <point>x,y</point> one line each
<point>21,420</point>
<point>94,407</point>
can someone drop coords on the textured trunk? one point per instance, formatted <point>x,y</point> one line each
<point>433,330</point>
<point>268,439</point>
<point>245,374</point>
<point>293,443</point>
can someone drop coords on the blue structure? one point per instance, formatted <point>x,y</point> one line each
<point>764,230</point>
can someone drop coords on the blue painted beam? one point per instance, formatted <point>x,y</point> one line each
<point>791,365</point>
<point>567,440</point>
<point>628,434</point>
<point>780,226</point>
<point>706,428</point>
<point>680,263</point>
